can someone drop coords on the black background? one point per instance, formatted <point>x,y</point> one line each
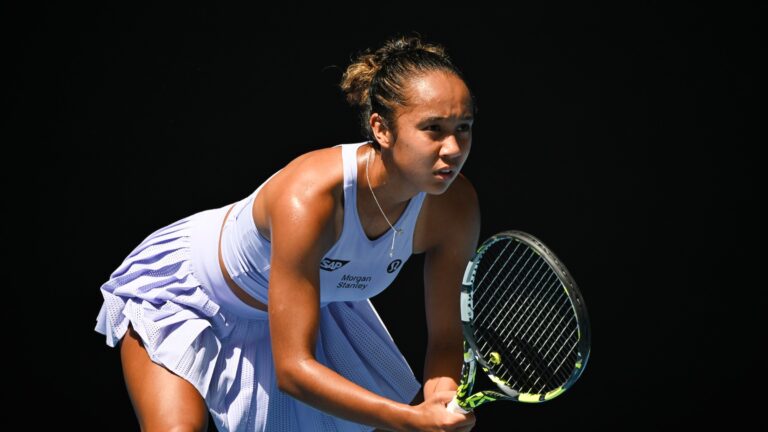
<point>616,134</point>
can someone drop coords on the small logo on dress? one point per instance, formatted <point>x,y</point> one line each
<point>328,264</point>
<point>394,265</point>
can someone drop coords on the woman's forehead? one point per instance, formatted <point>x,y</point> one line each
<point>436,96</point>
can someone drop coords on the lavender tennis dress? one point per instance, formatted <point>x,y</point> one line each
<point>171,290</point>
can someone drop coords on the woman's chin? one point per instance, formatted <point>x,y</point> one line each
<point>438,188</point>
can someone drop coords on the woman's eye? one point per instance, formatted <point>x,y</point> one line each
<point>433,128</point>
<point>465,128</point>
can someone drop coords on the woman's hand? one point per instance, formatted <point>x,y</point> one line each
<point>433,415</point>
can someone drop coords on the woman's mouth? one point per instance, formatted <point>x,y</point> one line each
<point>444,174</point>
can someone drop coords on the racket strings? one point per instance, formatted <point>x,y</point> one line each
<point>531,367</point>
<point>525,353</point>
<point>526,317</point>
<point>495,274</point>
<point>540,353</point>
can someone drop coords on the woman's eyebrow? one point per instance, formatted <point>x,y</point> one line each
<point>437,118</point>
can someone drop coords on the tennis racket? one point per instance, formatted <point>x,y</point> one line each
<point>524,322</point>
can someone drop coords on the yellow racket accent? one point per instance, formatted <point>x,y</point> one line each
<point>527,397</point>
<point>553,393</point>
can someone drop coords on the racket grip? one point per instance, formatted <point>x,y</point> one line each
<point>453,406</point>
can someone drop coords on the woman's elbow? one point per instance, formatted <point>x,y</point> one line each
<point>290,376</point>
<point>286,379</point>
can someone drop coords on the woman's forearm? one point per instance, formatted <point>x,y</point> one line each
<point>315,384</point>
<point>442,368</point>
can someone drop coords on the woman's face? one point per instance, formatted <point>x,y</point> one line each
<point>434,131</point>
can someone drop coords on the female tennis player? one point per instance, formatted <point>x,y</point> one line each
<point>258,311</point>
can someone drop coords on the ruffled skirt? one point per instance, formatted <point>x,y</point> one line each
<point>171,291</point>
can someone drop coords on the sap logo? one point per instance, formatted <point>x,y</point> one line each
<point>328,264</point>
<point>394,265</point>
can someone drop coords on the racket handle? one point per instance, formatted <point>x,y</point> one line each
<point>454,407</point>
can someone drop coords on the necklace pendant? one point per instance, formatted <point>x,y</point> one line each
<point>396,232</point>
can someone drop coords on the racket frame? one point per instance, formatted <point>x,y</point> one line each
<point>464,402</point>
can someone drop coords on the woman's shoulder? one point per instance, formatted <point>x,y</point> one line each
<point>454,211</point>
<point>461,197</point>
<point>308,187</point>
<point>317,170</point>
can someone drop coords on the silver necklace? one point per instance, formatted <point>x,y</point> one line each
<point>395,231</point>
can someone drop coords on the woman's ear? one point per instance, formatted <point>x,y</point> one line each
<point>381,131</point>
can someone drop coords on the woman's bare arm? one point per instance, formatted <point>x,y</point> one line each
<point>302,230</point>
<point>454,221</point>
